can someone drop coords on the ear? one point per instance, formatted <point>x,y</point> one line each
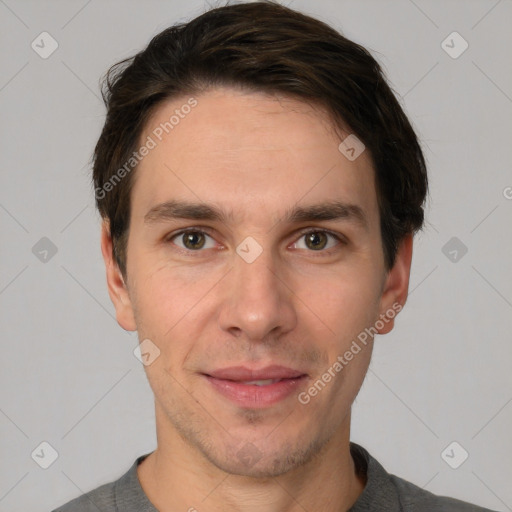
<point>396,285</point>
<point>117,288</point>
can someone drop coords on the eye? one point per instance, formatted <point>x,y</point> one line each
<point>192,240</point>
<point>317,240</point>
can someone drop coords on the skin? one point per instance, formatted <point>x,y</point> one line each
<point>256,156</point>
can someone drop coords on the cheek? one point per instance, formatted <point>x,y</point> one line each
<point>348,308</point>
<point>172,308</point>
<point>165,295</point>
<point>346,304</point>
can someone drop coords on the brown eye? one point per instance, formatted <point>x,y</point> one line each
<point>316,240</point>
<point>193,240</point>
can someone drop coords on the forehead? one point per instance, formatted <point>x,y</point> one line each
<point>251,153</point>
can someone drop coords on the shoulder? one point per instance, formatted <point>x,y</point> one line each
<point>415,499</point>
<point>385,492</point>
<point>102,498</point>
<point>124,494</point>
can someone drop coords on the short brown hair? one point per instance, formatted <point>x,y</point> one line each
<point>262,46</point>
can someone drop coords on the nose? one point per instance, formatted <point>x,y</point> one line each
<point>258,303</point>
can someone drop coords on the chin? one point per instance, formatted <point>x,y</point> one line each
<point>257,460</point>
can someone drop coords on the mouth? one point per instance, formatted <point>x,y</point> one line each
<point>255,389</point>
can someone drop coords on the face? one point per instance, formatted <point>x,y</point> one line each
<point>254,261</point>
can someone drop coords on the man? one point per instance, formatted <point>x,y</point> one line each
<point>260,187</point>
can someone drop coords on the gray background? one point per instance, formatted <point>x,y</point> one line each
<point>69,376</point>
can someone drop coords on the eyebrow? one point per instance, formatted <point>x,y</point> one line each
<point>330,210</point>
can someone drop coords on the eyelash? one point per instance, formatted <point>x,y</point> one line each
<point>302,234</point>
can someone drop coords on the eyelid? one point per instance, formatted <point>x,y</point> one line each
<point>340,237</point>
<point>201,229</point>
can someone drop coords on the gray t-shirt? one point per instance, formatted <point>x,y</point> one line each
<point>383,493</point>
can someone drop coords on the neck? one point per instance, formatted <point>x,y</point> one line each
<point>177,477</point>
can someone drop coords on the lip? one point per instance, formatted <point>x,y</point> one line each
<point>228,383</point>
<point>243,373</point>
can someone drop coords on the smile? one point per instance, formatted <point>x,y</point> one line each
<point>250,388</point>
